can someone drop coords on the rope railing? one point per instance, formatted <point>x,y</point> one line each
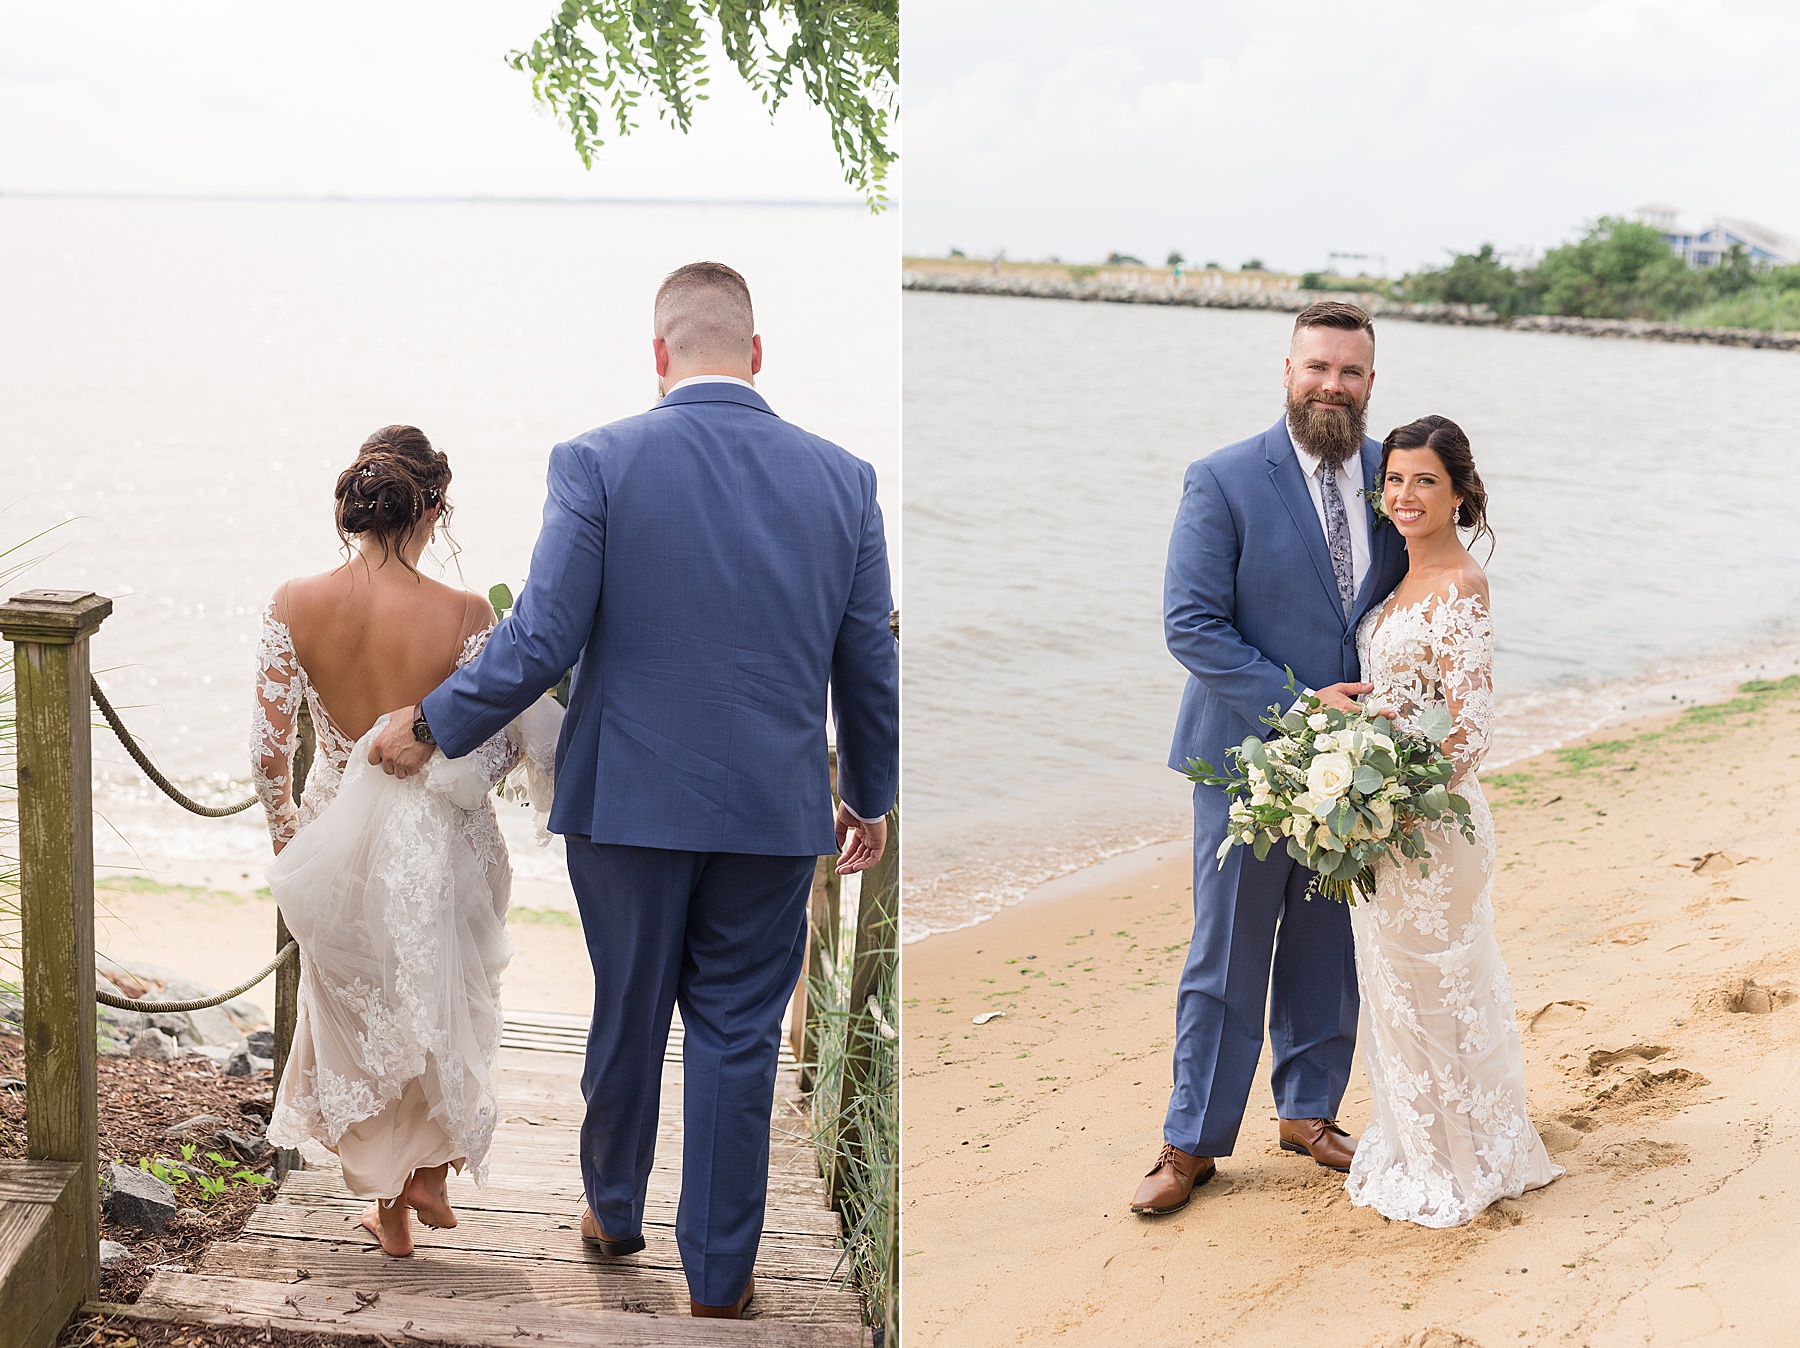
<point>142,759</point>
<point>106,998</point>
<point>168,788</point>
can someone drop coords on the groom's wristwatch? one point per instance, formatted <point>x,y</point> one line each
<point>422,731</point>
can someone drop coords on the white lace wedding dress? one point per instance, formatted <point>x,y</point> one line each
<point>396,891</point>
<point>1449,1133</point>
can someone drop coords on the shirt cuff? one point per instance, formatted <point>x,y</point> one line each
<point>859,818</point>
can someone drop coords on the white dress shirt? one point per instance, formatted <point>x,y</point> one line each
<point>1349,479</point>
<point>711,379</point>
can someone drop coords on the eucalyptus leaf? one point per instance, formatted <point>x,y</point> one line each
<point>1435,724</point>
<point>1368,779</point>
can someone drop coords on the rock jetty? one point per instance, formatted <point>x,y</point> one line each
<point>1292,301</point>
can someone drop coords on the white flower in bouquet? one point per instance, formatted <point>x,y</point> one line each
<point>1329,775</point>
<point>1340,791</point>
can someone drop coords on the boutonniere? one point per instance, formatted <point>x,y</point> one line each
<point>1373,496</point>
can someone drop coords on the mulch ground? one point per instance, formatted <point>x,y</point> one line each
<point>139,1100</point>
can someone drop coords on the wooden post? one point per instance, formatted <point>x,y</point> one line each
<point>287,977</point>
<point>49,630</point>
<point>877,944</point>
<point>822,922</point>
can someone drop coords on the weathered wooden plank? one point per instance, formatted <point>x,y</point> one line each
<point>520,1235</point>
<point>613,1285</point>
<point>43,1275</point>
<point>319,1308</point>
<point>562,1202</point>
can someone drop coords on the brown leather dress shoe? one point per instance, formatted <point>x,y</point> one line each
<point>1171,1181</point>
<point>1320,1139</point>
<point>735,1311</point>
<point>591,1234</point>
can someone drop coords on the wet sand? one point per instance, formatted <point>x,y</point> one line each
<point>1645,909</point>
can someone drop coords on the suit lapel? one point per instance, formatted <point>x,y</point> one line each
<point>1290,484</point>
<point>1381,540</point>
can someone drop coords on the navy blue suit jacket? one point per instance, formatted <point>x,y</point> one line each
<point>1249,589</point>
<point>710,571</point>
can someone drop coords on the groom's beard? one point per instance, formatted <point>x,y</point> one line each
<point>1334,432</point>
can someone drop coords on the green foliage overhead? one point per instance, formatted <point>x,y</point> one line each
<point>600,59</point>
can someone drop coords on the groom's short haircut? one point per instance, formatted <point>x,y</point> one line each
<point>1334,314</point>
<point>703,310</point>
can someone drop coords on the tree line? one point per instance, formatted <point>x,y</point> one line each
<point>1617,269</point>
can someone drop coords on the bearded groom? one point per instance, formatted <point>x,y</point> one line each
<point>1274,560</point>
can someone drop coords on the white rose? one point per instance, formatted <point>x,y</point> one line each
<point>1360,831</point>
<point>1382,742</point>
<point>1318,720</point>
<point>1384,815</point>
<point>1325,743</point>
<point>1329,776</point>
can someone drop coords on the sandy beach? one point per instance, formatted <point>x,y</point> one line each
<point>210,924</point>
<point>1644,904</point>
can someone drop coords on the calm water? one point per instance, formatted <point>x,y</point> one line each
<point>1642,493</point>
<point>183,381</point>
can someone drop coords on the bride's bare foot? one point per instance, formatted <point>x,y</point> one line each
<point>389,1223</point>
<point>428,1194</point>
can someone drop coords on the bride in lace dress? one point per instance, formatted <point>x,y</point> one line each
<point>395,889</point>
<point>1449,1133</point>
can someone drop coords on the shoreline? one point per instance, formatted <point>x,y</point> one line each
<point>1563,717</point>
<point>1641,898</point>
<point>1023,286</point>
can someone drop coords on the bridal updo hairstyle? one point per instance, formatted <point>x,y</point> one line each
<point>1445,438</point>
<point>384,495</point>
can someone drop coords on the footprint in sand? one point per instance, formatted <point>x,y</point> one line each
<point>1557,1015</point>
<point>1631,1056</point>
<point>1751,998</point>
<point>1558,1137</point>
<point>1434,1337</point>
<point>1643,1154</point>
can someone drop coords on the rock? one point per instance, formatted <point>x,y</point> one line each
<point>112,1254</point>
<point>12,1007</point>
<point>12,1084</point>
<point>172,1023</point>
<point>133,1197</point>
<point>210,1025</point>
<point>262,1064</point>
<point>114,1048</point>
<point>239,1064</point>
<point>261,1043</point>
<point>246,1015</point>
<point>152,1044</point>
<point>249,1150</point>
<point>200,1123</point>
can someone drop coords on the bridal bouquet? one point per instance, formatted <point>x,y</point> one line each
<point>1342,789</point>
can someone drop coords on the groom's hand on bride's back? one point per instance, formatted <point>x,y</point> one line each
<point>395,749</point>
<point>867,841</point>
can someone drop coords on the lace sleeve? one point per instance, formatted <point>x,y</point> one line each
<point>1462,643</point>
<point>273,731</point>
<point>497,755</point>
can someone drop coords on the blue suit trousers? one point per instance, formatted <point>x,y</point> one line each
<point>724,935</point>
<point>1254,925</point>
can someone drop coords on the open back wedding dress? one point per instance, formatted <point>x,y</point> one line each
<point>396,891</point>
<point>1449,1133</point>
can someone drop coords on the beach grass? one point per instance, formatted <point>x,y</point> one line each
<point>1764,307</point>
<point>543,917</point>
<point>858,1136</point>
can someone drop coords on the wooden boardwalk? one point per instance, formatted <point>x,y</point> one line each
<point>516,1267</point>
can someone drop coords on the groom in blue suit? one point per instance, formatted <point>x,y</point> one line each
<point>1274,560</point>
<point>714,575</point>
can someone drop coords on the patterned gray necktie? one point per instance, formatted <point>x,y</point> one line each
<point>1337,535</point>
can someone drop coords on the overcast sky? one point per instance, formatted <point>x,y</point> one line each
<point>1232,129</point>
<point>391,98</point>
